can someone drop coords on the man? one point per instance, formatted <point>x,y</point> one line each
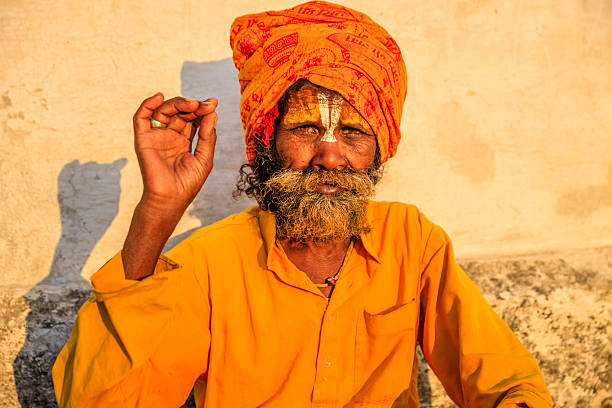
<point>318,296</point>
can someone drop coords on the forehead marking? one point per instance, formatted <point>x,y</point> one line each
<point>329,120</point>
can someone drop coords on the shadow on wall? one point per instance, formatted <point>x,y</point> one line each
<point>88,196</point>
<point>202,80</point>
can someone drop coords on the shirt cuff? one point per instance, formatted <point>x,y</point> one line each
<point>528,397</point>
<point>111,277</point>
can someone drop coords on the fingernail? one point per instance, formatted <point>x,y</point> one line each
<point>190,100</point>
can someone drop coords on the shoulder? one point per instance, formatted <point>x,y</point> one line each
<point>399,217</point>
<point>383,209</point>
<point>405,224</point>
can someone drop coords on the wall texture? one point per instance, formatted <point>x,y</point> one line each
<point>506,143</point>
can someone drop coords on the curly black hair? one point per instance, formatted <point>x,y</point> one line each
<point>251,178</point>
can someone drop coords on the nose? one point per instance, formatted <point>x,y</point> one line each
<point>328,156</point>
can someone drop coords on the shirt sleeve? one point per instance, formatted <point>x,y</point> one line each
<point>477,358</point>
<point>138,343</point>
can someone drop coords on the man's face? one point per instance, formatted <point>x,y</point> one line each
<point>318,128</point>
<point>327,152</point>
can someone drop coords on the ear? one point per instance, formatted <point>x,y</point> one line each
<point>376,163</point>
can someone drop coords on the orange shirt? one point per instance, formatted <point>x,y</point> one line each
<point>227,310</point>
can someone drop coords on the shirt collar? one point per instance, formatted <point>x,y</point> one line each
<point>366,239</point>
<point>267,226</point>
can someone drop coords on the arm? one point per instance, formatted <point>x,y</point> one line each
<point>172,175</point>
<point>138,343</point>
<point>142,339</point>
<point>475,355</point>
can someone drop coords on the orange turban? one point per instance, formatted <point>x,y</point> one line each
<point>329,45</point>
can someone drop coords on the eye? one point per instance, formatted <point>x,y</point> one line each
<point>307,130</point>
<point>353,133</point>
<point>349,129</point>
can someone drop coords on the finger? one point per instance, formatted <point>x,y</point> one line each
<point>176,123</point>
<point>164,113</point>
<point>160,117</point>
<point>144,112</point>
<point>207,106</point>
<point>207,137</point>
<point>187,117</point>
<point>176,105</point>
<point>194,128</point>
<point>188,132</point>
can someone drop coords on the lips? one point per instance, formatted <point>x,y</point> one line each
<point>328,189</point>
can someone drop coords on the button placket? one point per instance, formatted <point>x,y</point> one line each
<point>325,381</point>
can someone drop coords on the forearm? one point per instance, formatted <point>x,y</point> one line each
<point>152,224</point>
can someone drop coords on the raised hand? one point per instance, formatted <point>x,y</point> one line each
<point>172,174</point>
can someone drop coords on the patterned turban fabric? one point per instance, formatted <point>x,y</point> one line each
<point>331,46</point>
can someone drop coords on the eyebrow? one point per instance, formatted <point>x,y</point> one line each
<point>300,122</point>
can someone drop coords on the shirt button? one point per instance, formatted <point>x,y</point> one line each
<point>330,317</point>
<point>325,379</point>
<point>327,363</point>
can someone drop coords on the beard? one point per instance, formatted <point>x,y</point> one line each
<point>302,213</point>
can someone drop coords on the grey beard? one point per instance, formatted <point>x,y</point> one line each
<point>303,214</point>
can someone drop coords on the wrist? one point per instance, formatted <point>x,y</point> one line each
<point>152,224</point>
<point>159,208</point>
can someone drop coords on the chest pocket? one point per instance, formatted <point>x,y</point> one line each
<point>384,353</point>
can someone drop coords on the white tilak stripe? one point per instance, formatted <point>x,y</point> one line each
<point>329,120</point>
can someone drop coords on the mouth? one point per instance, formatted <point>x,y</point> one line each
<point>328,189</point>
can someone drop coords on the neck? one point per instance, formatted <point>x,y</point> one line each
<point>316,250</point>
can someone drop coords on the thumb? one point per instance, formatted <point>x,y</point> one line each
<point>207,138</point>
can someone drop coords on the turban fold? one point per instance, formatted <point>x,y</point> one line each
<point>329,45</point>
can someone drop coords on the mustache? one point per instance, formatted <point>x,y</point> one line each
<point>357,183</point>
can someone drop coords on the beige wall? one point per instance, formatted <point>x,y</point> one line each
<point>506,132</point>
